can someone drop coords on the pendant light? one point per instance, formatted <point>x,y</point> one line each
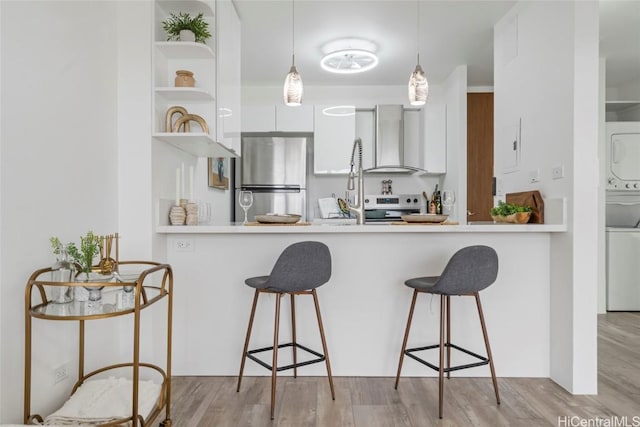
<point>293,82</point>
<point>418,85</point>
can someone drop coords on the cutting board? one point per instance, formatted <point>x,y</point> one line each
<point>532,199</point>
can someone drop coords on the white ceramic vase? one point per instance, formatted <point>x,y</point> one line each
<point>187,36</point>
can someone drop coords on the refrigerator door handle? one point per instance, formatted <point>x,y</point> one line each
<point>257,188</point>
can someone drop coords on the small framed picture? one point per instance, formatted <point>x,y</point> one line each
<point>219,173</point>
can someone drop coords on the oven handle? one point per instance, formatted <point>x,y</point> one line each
<point>271,188</point>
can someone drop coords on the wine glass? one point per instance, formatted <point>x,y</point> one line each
<point>246,200</point>
<point>448,199</point>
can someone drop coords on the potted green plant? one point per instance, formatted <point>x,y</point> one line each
<point>512,213</point>
<point>178,26</point>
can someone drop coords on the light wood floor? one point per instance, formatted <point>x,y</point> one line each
<point>373,402</point>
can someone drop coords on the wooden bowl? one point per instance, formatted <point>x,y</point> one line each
<point>516,218</point>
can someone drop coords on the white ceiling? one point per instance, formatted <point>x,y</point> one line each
<point>452,32</point>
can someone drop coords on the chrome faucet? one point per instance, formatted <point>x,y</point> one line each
<point>358,208</point>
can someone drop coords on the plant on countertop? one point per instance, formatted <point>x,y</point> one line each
<point>89,248</point>
<point>506,209</point>
<point>183,21</point>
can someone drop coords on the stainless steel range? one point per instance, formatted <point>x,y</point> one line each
<point>390,207</point>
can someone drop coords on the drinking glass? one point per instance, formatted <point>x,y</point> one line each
<point>246,200</point>
<point>448,199</point>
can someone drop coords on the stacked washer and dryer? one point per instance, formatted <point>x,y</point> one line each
<point>623,216</point>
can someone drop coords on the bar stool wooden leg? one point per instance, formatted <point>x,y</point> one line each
<point>448,335</point>
<point>406,336</point>
<point>246,340</point>
<point>274,363</point>
<point>486,343</point>
<point>441,364</point>
<point>324,343</point>
<point>293,336</point>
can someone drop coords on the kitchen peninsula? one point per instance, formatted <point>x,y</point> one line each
<point>365,304</point>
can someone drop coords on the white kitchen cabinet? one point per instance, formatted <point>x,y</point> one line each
<point>332,142</point>
<point>434,158</point>
<point>277,118</point>
<point>294,119</point>
<point>425,138</point>
<point>413,142</point>
<point>200,59</point>
<point>228,65</point>
<point>258,118</point>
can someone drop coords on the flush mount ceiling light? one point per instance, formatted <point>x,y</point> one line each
<point>292,91</point>
<point>418,85</point>
<point>349,61</point>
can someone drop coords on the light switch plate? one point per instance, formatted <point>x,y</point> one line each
<point>534,175</point>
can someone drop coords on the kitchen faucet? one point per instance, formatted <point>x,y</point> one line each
<point>358,209</point>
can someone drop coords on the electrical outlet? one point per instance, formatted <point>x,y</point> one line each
<point>184,245</point>
<point>60,373</point>
<point>557,172</point>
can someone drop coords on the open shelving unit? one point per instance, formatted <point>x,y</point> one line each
<point>199,58</point>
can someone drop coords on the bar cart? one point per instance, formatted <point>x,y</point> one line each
<point>130,288</point>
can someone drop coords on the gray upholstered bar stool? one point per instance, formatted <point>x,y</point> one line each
<point>469,271</point>
<point>300,269</point>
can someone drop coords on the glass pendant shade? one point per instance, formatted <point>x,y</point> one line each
<point>293,88</point>
<point>418,87</point>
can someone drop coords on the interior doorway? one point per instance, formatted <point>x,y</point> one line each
<point>479,156</point>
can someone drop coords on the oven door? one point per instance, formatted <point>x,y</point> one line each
<point>386,216</point>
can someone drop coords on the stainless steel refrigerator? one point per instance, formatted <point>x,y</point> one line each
<point>274,168</point>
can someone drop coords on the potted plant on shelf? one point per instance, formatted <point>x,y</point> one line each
<point>183,27</point>
<point>511,213</point>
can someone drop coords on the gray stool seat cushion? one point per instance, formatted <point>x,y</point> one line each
<point>257,282</point>
<point>301,266</point>
<point>469,270</point>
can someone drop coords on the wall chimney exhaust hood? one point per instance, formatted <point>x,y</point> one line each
<point>389,153</point>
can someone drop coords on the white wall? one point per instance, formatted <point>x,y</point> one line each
<point>134,123</point>
<point>58,166</point>
<point>554,91</point>
<point>456,177</point>
<point>602,250</point>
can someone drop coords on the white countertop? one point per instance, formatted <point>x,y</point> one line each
<point>239,228</point>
